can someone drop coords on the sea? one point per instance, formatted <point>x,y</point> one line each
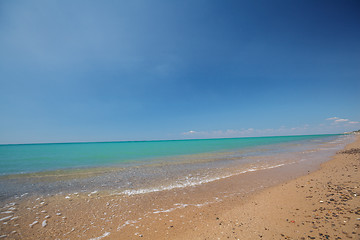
<point>140,167</point>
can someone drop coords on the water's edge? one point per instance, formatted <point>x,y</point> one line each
<point>175,173</point>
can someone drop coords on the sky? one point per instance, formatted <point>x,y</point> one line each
<point>140,70</point>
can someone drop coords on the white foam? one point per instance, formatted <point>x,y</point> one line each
<point>94,192</point>
<point>279,165</point>
<point>100,237</point>
<point>188,182</point>
<point>128,222</point>
<point>182,205</point>
<point>9,205</point>
<point>179,205</point>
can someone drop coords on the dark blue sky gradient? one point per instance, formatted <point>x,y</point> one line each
<point>139,70</point>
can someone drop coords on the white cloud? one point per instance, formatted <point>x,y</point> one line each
<point>335,125</point>
<point>249,132</point>
<point>336,120</point>
<point>190,132</point>
<point>221,133</point>
<point>341,120</point>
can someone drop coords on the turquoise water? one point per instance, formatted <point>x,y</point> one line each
<point>28,158</point>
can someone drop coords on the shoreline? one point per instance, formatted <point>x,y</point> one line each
<point>200,212</point>
<point>324,204</point>
<point>171,172</point>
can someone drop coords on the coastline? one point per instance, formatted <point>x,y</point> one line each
<point>245,207</point>
<point>324,204</point>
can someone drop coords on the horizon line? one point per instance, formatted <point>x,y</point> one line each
<point>160,140</point>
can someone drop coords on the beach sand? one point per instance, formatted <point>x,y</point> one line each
<point>322,204</point>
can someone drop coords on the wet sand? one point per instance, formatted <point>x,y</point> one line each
<point>263,204</point>
<point>322,205</point>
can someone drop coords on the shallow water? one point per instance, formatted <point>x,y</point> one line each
<point>201,161</point>
<point>29,158</point>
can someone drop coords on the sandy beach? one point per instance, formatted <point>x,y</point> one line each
<point>318,204</point>
<point>322,205</point>
<point>179,120</point>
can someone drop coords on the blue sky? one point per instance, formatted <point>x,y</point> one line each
<point>140,70</point>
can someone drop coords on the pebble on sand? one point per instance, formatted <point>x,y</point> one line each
<point>35,222</point>
<point>6,218</point>
<point>44,223</point>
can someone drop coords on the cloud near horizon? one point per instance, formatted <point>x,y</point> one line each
<point>332,118</point>
<point>337,125</point>
<point>341,120</point>
<point>75,71</point>
<point>249,132</point>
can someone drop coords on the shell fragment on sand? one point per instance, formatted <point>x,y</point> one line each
<point>6,218</point>
<point>44,223</point>
<point>35,222</point>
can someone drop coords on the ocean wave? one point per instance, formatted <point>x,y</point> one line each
<point>192,182</point>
